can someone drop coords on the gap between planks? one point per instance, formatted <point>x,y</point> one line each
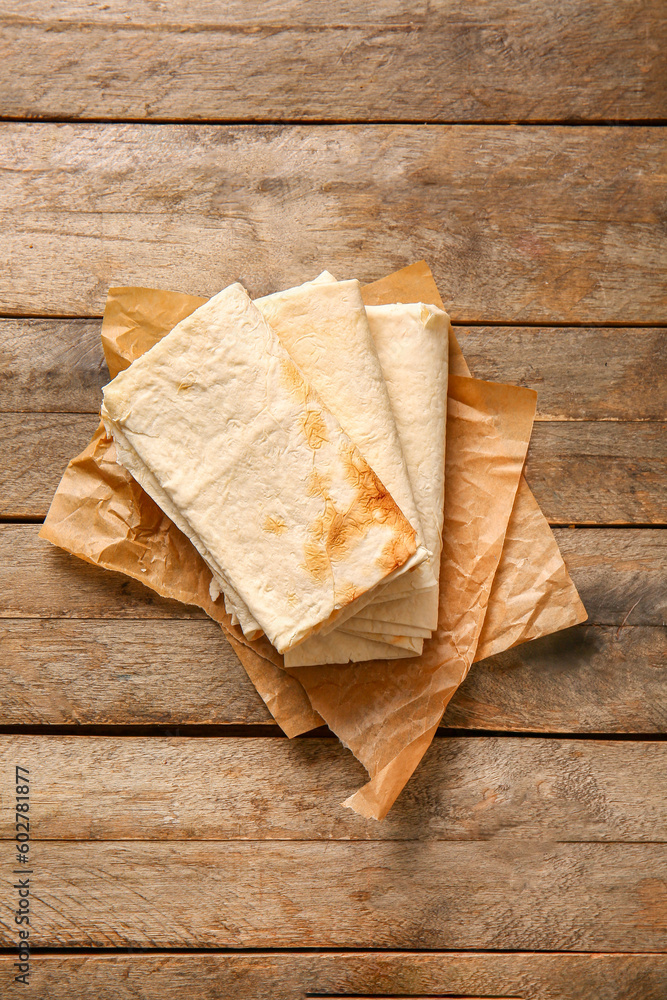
<point>272,731</point>
<point>50,951</point>
<point>28,519</point>
<point>321,122</point>
<point>457,323</point>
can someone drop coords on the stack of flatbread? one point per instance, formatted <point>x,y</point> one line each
<point>298,441</point>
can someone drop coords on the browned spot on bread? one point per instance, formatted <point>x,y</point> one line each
<point>312,422</point>
<point>376,504</point>
<point>318,484</point>
<point>293,380</point>
<point>396,551</point>
<point>275,525</point>
<point>327,534</point>
<point>314,428</point>
<point>335,532</point>
<point>316,561</point>
<point>347,592</point>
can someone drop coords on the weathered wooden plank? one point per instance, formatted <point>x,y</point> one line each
<point>38,579</point>
<point>100,788</point>
<point>34,451</point>
<point>590,679</point>
<point>532,224</point>
<point>581,472</point>
<point>445,60</point>
<point>586,679</point>
<point>619,572</point>
<point>580,373</point>
<point>294,976</point>
<point>116,672</point>
<point>599,472</point>
<point>396,894</point>
<point>51,365</point>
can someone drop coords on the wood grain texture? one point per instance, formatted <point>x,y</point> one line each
<point>154,789</point>
<point>499,844</point>
<point>124,672</point>
<point>38,579</point>
<point>586,679</point>
<point>599,472</point>
<point>33,456</point>
<point>383,894</point>
<point>294,976</point>
<point>445,60</point>
<point>579,373</point>
<point>123,655</point>
<point>619,572</point>
<point>519,224</point>
<point>51,365</point>
<point>581,472</point>
<point>591,679</point>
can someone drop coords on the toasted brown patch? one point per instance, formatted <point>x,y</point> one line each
<point>316,560</point>
<point>312,422</point>
<point>292,379</point>
<point>347,593</point>
<point>376,504</point>
<point>334,533</point>
<point>318,484</point>
<point>314,428</point>
<point>275,525</point>
<point>397,551</point>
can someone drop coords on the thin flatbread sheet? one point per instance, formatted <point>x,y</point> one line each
<point>412,341</point>
<point>533,594</point>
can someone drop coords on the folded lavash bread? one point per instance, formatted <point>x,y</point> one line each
<point>217,423</point>
<point>412,341</point>
<point>323,326</point>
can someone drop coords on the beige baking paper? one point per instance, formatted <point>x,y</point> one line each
<point>101,515</point>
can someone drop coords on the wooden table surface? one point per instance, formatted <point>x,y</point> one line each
<point>180,846</point>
